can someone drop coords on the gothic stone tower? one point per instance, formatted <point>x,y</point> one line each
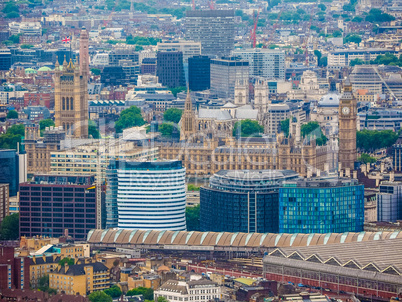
<point>261,99</point>
<point>241,95</point>
<point>71,104</point>
<point>187,128</point>
<point>347,127</point>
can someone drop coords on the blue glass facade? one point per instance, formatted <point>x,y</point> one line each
<point>9,171</point>
<point>321,207</point>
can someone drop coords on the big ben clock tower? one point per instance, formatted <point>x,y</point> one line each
<point>347,127</point>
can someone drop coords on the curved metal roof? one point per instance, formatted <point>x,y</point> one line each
<point>234,240</point>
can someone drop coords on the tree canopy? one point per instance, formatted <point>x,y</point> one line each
<point>43,285</point>
<point>365,158</point>
<point>93,130</point>
<point>114,291</point>
<point>285,127</point>
<point>352,38</point>
<point>12,114</point>
<point>148,293</point>
<point>12,137</point>
<point>371,140</point>
<point>193,218</point>
<point>176,90</point>
<point>172,115</point>
<point>166,129</point>
<point>247,128</point>
<point>130,117</point>
<point>312,130</point>
<point>67,260</point>
<point>377,16</point>
<point>10,227</point>
<point>99,296</point>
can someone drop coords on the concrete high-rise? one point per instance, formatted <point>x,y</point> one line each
<point>225,73</point>
<point>215,29</point>
<point>146,195</point>
<point>170,69</point>
<point>84,52</point>
<point>266,63</point>
<point>71,104</point>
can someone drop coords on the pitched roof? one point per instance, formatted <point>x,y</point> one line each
<point>79,269</point>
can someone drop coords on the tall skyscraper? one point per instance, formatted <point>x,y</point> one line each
<point>266,63</point>
<point>199,73</point>
<point>169,68</point>
<point>215,29</point>
<point>9,170</point>
<point>71,104</point>
<point>347,127</point>
<point>225,73</point>
<point>147,195</point>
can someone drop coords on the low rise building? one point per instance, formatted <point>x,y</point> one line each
<point>83,278</point>
<point>196,290</point>
<point>41,266</point>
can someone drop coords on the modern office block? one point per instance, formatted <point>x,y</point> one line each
<point>242,201</point>
<point>170,69</point>
<point>321,206</point>
<point>215,29</point>
<point>146,195</point>
<point>9,169</point>
<point>49,204</point>
<point>225,73</point>
<point>188,48</point>
<point>5,59</point>
<point>199,71</point>
<point>389,202</point>
<point>265,63</point>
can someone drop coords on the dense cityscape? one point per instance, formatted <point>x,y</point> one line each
<point>201,150</point>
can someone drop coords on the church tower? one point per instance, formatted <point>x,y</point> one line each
<point>241,95</point>
<point>187,128</point>
<point>347,127</point>
<point>261,99</point>
<point>71,104</point>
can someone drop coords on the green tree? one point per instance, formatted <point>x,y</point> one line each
<point>377,16</point>
<point>26,46</point>
<point>166,129</point>
<point>99,296</point>
<point>67,260</point>
<point>114,291</point>
<point>371,140</point>
<point>247,128</point>
<point>352,38</point>
<point>95,71</point>
<point>273,46</point>
<point>130,117</point>
<point>192,187</point>
<point>357,19</point>
<point>148,293</point>
<point>162,299</point>
<point>172,115</point>
<point>15,38</point>
<point>365,158</point>
<point>193,218</point>
<point>176,90</point>
<point>312,130</point>
<point>93,130</point>
<point>337,34</point>
<point>12,15</point>
<point>285,127</point>
<point>12,137</point>
<point>10,7</point>
<point>43,124</point>
<point>12,114</point>
<point>322,7</point>
<point>10,227</point>
<point>356,61</point>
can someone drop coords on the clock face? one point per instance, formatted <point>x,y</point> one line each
<point>345,110</point>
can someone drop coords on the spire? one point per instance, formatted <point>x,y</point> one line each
<point>57,65</point>
<point>64,62</point>
<point>188,105</point>
<point>187,127</point>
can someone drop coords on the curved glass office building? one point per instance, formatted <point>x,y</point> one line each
<point>243,201</point>
<point>150,195</point>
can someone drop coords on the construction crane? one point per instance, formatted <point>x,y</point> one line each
<point>193,4</point>
<point>274,27</point>
<point>211,4</point>
<point>253,32</point>
<point>306,39</point>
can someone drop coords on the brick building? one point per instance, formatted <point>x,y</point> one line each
<point>39,99</point>
<point>14,271</point>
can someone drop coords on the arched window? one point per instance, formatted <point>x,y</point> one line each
<point>71,104</point>
<point>67,104</point>
<point>240,98</point>
<point>63,102</point>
